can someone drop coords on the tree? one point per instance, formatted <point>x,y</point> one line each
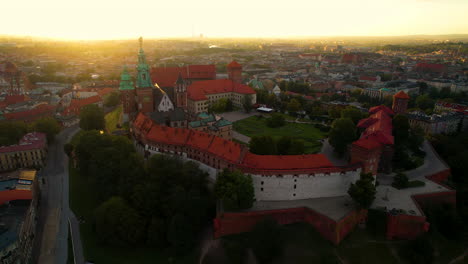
<point>363,191</point>
<point>289,146</point>
<point>266,240</point>
<point>352,113</point>
<point>48,126</point>
<point>68,148</point>
<point>400,129</point>
<point>92,117</point>
<point>117,223</point>
<point>263,145</point>
<point>342,133</point>
<point>294,106</point>
<point>11,132</point>
<point>424,102</point>
<point>234,189</point>
<point>400,181</point>
<point>247,103</point>
<point>112,99</point>
<point>276,120</point>
<point>334,112</point>
<point>180,233</point>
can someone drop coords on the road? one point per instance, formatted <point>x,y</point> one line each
<point>51,243</point>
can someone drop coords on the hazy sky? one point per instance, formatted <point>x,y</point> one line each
<point>107,19</point>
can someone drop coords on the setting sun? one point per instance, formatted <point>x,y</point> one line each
<point>128,19</point>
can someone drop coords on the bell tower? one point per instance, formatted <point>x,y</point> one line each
<point>144,87</point>
<point>235,72</point>
<point>127,95</point>
<point>181,92</point>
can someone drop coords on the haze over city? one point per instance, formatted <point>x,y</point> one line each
<point>107,19</point>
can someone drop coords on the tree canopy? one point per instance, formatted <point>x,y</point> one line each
<point>363,191</point>
<point>276,120</point>
<point>47,125</point>
<point>234,189</point>
<point>92,117</point>
<point>112,99</point>
<point>247,103</point>
<point>342,133</point>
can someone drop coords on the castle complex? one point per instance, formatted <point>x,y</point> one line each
<point>290,188</point>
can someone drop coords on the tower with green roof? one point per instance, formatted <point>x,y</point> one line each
<point>127,94</point>
<point>144,86</point>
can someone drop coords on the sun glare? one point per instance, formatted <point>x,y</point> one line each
<point>90,20</point>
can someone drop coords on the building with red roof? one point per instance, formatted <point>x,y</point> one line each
<point>201,94</point>
<point>400,102</point>
<point>374,148</point>
<point>77,104</point>
<point>31,115</point>
<point>30,152</point>
<point>431,67</point>
<point>167,76</point>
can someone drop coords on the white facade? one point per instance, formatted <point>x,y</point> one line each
<point>303,186</point>
<point>165,104</point>
<point>288,187</point>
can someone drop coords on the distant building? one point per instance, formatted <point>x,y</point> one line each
<point>30,152</point>
<point>213,125</point>
<point>201,94</point>
<point>446,123</point>
<point>18,214</point>
<point>400,102</point>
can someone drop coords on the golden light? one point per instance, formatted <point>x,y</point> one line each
<point>106,19</point>
<point>101,132</point>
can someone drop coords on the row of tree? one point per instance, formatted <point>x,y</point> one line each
<point>12,131</point>
<point>267,145</point>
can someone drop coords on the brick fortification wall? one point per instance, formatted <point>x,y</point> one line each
<point>334,231</point>
<point>402,226</point>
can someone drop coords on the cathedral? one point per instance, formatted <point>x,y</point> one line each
<point>171,96</point>
<point>143,96</point>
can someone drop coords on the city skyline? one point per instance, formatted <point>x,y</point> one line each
<point>91,20</point>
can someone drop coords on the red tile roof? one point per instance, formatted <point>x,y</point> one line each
<point>12,195</point>
<point>30,141</point>
<point>286,162</point>
<point>199,89</point>
<point>225,149</point>
<point>168,135</point>
<point>199,140</point>
<point>368,78</point>
<point>401,95</point>
<point>167,76</point>
<point>32,114</point>
<point>76,104</point>
<point>378,128</point>
<point>234,64</point>
<point>433,67</point>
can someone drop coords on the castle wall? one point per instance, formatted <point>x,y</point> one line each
<point>303,186</point>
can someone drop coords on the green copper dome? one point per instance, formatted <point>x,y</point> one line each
<point>126,80</point>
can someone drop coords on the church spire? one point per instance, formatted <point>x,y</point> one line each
<point>144,78</point>
<point>125,80</point>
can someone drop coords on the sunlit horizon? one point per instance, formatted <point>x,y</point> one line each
<point>116,20</point>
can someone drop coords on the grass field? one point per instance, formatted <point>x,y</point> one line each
<point>83,202</point>
<point>254,126</point>
<point>112,119</point>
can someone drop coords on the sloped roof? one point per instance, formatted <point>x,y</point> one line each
<point>30,114</point>
<point>167,76</point>
<point>286,162</point>
<point>199,89</point>
<point>234,64</point>
<point>401,95</point>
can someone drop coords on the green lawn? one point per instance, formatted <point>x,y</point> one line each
<point>254,126</point>
<point>83,201</point>
<point>112,119</point>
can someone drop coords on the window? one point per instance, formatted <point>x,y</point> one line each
<point>294,186</point>
<point>294,194</point>
<point>261,189</point>
<point>262,183</point>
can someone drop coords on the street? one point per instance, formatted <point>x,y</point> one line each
<point>50,245</point>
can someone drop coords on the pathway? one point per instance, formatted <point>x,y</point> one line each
<point>51,243</point>
<point>432,164</point>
